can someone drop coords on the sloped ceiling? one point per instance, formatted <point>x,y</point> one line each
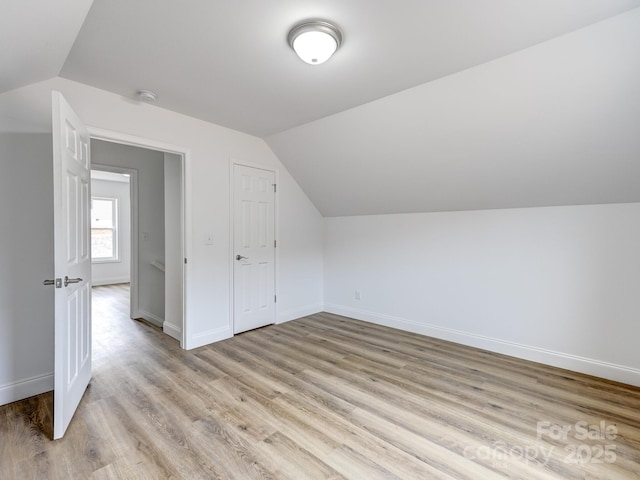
<point>555,124</point>
<point>228,62</point>
<point>429,105</point>
<point>36,37</point>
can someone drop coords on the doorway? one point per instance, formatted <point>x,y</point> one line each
<point>156,225</point>
<point>111,225</point>
<point>113,192</point>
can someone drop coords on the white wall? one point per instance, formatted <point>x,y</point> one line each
<point>26,259</point>
<point>108,273</point>
<point>559,285</point>
<point>150,167</point>
<point>299,261</point>
<point>210,148</point>
<point>173,257</point>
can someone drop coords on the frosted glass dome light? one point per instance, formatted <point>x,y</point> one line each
<point>315,41</point>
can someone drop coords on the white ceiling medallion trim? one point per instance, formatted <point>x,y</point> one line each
<point>315,41</point>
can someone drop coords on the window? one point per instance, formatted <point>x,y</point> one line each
<point>104,227</point>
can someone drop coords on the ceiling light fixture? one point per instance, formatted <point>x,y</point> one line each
<point>315,40</point>
<point>146,96</point>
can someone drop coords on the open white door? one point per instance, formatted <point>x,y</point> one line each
<point>72,257</point>
<point>254,248</point>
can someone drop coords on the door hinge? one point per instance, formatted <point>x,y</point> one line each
<point>275,244</point>
<point>185,261</point>
<point>275,187</point>
<point>275,299</point>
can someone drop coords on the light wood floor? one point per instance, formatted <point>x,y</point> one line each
<point>323,397</point>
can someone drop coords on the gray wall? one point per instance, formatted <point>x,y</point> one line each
<point>173,289</point>
<point>26,259</point>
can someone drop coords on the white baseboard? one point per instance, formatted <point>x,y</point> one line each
<point>109,281</point>
<point>589,366</point>
<point>210,336</point>
<point>299,313</point>
<point>150,317</point>
<point>172,330</point>
<point>29,387</point>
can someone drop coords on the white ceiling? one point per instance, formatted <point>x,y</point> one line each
<point>35,38</point>
<point>228,61</point>
<point>429,105</point>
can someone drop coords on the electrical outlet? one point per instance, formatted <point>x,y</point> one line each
<point>357,294</point>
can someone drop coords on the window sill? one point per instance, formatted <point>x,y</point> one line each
<point>106,260</point>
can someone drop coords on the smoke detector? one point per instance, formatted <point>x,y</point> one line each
<point>146,96</point>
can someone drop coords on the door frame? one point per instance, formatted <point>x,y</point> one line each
<point>185,154</point>
<point>276,231</point>
<point>133,229</point>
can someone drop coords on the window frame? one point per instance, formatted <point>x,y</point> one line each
<point>114,229</point>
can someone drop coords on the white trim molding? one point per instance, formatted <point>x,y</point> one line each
<point>210,336</point>
<point>172,330</point>
<point>150,317</point>
<point>589,366</point>
<point>26,388</point>
<point>299,313</point>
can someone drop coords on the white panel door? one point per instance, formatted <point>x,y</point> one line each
<point>71,172</point>
<point>254,248</point>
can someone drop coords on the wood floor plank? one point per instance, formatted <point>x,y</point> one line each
<point>302,464</point>
<point>322,397</point>
<point>343,431</point>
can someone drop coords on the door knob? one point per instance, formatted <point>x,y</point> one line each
<point>68,280</point>
<point>240,257</point>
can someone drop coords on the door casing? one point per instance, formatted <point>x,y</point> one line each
<point>134,141</point>
<point>232,162</point>
<point>133,217</point>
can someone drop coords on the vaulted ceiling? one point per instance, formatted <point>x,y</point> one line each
<point>429,105</point>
